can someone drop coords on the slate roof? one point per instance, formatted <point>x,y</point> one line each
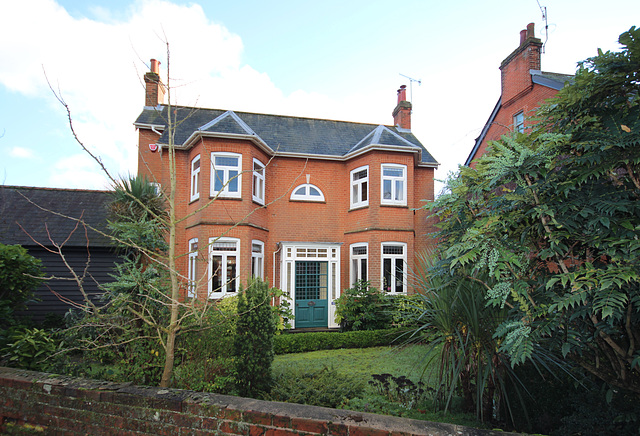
<point>282,134</point>
<point>42,222</point>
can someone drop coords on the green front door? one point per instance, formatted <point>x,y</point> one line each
<point>311,282</point>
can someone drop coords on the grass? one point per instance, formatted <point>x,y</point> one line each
<point>361,363</point>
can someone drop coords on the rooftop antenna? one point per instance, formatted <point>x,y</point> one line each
<point>411,85</point>
<point>543,9</point>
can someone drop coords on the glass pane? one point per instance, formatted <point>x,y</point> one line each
<point>300,191</point>
<point>399,275</point>
<point>231,274</point>
<point>386,189</point>
<point>363,271</point>
<point>359,250</point>
<point>399,192</point>
<point>227,161</point>
<point>219,181</point>
<point>233,181</point>
<point>393,172</point>
<point>386,268</point>
<point>364,191</point>
<point>216,283</point>
<point>362,174</point>
<point>313,191</point>
<point>392,249</point>
<point>196,164</point>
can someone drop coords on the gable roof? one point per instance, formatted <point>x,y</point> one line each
<point>42,213</point>
<point>282,135</point>
<point>551,80</point>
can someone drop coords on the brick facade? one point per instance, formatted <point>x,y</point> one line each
<point>332,223</point>
<point>523,88</point>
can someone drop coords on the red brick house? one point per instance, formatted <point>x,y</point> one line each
<point>524,88</point>
<point>311,205</point>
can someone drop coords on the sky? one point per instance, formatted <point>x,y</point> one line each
<point>330,59</point>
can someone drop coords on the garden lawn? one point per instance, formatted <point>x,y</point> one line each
<point>359,364</point>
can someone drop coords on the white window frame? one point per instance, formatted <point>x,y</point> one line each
<point>258,181</point>
<point>356,260</point>
<point>195,178</point>
<point>192,285</point>
<point>224,289</point>
<point>257,259</point>
<point>392,287</point>
<point>518,122</point>
<point>307,193</point>
<point>395,183</point>
<point>358,187</point>
<point>227,178</point>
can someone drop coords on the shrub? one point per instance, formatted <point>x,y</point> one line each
<point>313,341</point>
<point>205,350</point>
<point>253,342</point>
<point>325,387</point>
<point>19,276</point>
<point>29,348</point>
<point>363,307</point>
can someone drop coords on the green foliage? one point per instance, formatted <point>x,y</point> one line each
<point>325,387</point>
<point>19,275</point>
<point>312,341</point>
<point>363,307</point>
<point>399,390</point>
<point>29,348</point>
<point>205,350</point>
<point>253,342</point>
<point>551,222</point>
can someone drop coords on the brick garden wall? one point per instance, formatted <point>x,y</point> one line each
<point>39,403</point>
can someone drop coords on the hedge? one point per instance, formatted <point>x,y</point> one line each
<point>313,341</point>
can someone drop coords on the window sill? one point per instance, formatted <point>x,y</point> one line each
<point>400,206</point>
<point>358,208</point>
<point>220,197</point>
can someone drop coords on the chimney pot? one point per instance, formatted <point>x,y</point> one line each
<point>531,33</point>
<point>155,66</point>
<point>523,36</point>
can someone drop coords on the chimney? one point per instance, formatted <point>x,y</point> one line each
<point>515,69</point>
<point>154,94</point>
<point>402,112</point>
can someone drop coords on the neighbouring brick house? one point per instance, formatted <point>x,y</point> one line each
<point>48,221</point>
<point>311,205</point>
<point>524,88</point>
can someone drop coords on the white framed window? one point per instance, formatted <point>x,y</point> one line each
<point>191,270</point>
<point>258,181</point>
<point>518,122</point>
<point>394,267</point>
<point>195,178</point>
<point>360,187</point>
<point>224,255</point>
<point>226,174</point>
<point>394,184</point>
<point>359,262</point>
<point>307,192</point>
<point>257,259</point>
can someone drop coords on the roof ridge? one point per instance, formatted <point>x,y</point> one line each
<point>44,188</point>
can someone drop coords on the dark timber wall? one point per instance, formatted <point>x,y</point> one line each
<point>38,403</point>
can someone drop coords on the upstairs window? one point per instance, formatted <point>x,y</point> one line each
<point>394,184</point>
<point>226,177</point>
<point>307,192</point>
<point>223,266</point>
<point>518,122</point>
<point>258,182</point>
<point>360,187</point>
<point>195,178</point>
<point>359,258</point>
<point>394,259</point>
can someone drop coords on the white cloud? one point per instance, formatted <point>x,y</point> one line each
<point>77,171</point>
<point>21,153</point>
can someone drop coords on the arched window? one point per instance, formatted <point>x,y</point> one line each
<point>307,192</point>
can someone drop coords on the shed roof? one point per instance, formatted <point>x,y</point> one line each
<point>31,214</point>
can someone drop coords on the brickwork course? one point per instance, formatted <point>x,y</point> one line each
<point>40,403</point>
